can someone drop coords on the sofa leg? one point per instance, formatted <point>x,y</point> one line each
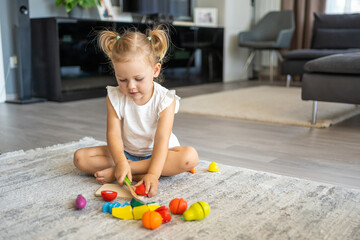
<point>288,80</point>
<point>314,114</point>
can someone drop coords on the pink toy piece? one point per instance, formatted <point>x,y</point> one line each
<point>108,195</point>
<point>80,202</point>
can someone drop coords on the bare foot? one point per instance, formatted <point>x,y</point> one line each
<point>105,176</point>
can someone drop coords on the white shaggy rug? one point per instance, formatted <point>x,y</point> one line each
<point>268,104</point>
<point>38,188</point>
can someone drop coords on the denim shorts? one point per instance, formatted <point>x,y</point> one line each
<point>135,158</point>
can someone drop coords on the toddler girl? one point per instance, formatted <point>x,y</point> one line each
<point>140,116</point>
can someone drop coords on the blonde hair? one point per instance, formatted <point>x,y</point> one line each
<point>122,48</point>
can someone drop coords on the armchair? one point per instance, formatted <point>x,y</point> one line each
<point>273,32</point>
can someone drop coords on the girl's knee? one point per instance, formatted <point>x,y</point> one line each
<point>190,158</point>
<point>79,157</point>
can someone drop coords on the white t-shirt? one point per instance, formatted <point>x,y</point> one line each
<point>139,123</point>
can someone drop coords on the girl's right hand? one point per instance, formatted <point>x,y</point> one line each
<point>121,171</point>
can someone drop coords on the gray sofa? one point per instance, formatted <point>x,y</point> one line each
<point>334,78</point>
<point>332,34</point>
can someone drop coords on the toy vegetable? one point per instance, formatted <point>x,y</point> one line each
<point>136,203</point>
<point>197,211</point>
<point>165,214</point>
<point>140,190</point>
<point>193,170</point>
<point>152,219</point>
<point>178,206</point>
<point>108,195</point>
<point>80,202</point>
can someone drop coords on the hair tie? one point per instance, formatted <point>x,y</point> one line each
<point>118,37</point>
<point>149,38</point>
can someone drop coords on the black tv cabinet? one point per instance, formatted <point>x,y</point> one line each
<point>67,65</point>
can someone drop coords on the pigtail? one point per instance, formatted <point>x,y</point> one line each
<point>106,42</point>
<point>159,41</point>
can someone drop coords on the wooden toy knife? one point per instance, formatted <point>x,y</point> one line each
<point>133,193</point>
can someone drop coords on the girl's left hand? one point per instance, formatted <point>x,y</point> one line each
<point>151,183</point>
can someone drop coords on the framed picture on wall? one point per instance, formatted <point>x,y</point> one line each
<point>206,17</point>
<point>112,10</point>
<point>106,10</point>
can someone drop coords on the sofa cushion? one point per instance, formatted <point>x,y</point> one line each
<point>339,21</point>
<point>336,38</point>
<point>340,63</point>
<point>309,54</point>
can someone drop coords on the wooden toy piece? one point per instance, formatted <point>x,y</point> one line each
<point>151,220</point>
<point>197,211</point>
<point>193,170</point>
<point>140,190</point>
<point>121,191</point>
<point>80,202</point>
<point>153,207</point>
<point>132,192</point>
<point>135,203</point>
<point>123,212</point>
<point>165,213</point>
<point>107,207</point>
<point>139,211</point>
<point>108,195</point>
<point>178,206</point>
<point>213,167</point>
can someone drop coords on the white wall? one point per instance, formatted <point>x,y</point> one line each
<point>2,74</point>
<point>262,7</point>
<point>237,18</point>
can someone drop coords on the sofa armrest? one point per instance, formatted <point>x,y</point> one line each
<point>338,64</point>
<point>284,38</point>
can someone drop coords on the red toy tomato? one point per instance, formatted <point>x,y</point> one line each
<point>165,213</point>
<point>140,190</point>
<point>151,219</point>
<point>108,195</point>
<point>178,206</point>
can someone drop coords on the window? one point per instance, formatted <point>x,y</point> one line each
<point>342,6</point>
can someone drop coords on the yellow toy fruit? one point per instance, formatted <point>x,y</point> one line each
<point>140,210</point>
<point>213,167</point>
<point>197,211</point>
<point>123,212</point>
<point>153,207</point>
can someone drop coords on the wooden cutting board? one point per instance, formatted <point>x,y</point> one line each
<point>122,191</point>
